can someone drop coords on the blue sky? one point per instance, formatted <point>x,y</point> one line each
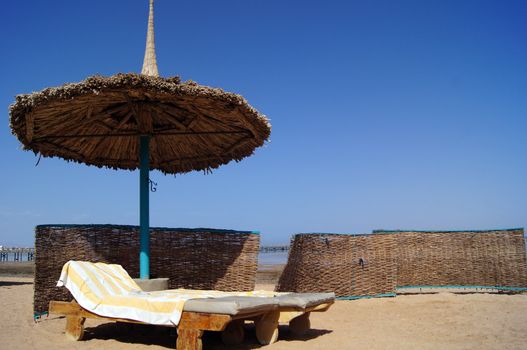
<point>385,114</point>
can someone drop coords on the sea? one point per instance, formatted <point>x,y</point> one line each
<point>272,258</point>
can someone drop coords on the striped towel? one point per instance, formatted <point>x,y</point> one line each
<point>107,290</point>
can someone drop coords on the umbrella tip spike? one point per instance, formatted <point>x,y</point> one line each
<point>150,61</point>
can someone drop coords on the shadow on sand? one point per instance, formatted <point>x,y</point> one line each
<point>166,336</point>
<point>13,283</point>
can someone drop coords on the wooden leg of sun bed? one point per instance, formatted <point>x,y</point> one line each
<point>300,325</point>
<point>192,325</point>
<point>74,318</point>
<point>189,339</point>
<point>298,319</point>
<point>234,333</point>
<point>75,327</point>
<point>267,327</point>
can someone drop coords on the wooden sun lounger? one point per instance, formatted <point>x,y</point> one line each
<point>294,309</point>
<point>190,328</point>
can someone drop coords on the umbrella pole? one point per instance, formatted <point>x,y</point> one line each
<point>144,230</point>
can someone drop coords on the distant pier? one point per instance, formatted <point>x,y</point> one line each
<point>16,254</point>
<point>28,254</point>
<point>274,248</point>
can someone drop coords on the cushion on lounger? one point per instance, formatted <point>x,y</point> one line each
<point>231,305</point>
<point>305,300</point>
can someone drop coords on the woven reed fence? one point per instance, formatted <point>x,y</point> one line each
<point>349,265</point>
<point>461,258</point>
<point>375,264</point>
<point>191,258</point>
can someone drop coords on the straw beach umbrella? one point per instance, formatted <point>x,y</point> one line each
<point>139,121</point>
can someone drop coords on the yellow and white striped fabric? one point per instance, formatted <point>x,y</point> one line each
<point>107,290</point>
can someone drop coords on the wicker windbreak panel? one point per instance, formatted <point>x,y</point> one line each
<point>191,258</point>
<point>349,265</point>
<point>468,258</point>
<point>374,264</point>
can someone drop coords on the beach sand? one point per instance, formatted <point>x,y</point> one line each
<point>435,321</point>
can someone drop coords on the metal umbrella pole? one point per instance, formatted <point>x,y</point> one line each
<point>144,208</point>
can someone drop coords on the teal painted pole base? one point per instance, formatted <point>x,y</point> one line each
<point>144,208</point>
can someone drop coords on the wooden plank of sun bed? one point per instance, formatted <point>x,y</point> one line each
<point>190,328</point>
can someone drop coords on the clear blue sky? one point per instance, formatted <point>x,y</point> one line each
<point>386,114</point>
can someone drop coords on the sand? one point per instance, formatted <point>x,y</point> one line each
<point>435,321</point>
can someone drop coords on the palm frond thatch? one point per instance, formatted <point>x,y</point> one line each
<point>98,121</point>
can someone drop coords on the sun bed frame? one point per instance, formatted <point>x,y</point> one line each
<point>190,328</point>
<point>193,324</point>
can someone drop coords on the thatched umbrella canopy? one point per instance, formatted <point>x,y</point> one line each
<point>98,122</point>
<point>139,121</point>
